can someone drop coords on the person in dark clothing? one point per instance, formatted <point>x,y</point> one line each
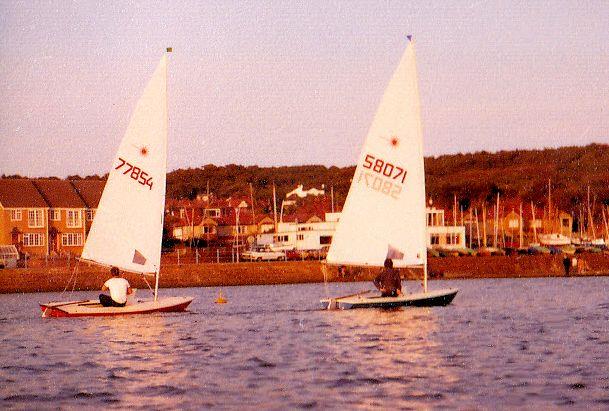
<point>388,281</point>
<point>567,263</point>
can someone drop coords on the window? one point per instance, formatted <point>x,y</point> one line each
<point>34,219</point>
<point>241,229</point>
<point>90,214</point>
<point>182,213</point>
<point>33,239</point>
<point>73,219</point>
<point>452,239</point>
<point>435,239</point>
<point>15,215</point>
<point>177,233</point>
<point>566,223</point>
<point>281,238</point>
<point>300,237</point>
<point>435,218</point>
<point>71,239</point>
<point>513,223</point>
<point>212,212</point>
<point>325,239</point>
<point>54,215</point>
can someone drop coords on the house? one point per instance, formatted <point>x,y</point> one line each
<point>45,216</point>
<point>215,222</point>
<point>311,234</point>
<point>90,191</point>
<point>314,233</point>
<point>23,216</point>
<point>66,216</point>
<point>440,235</point>
<point>202,229</point>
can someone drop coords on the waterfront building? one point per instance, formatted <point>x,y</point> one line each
<point>315,233</point>
<point>47,216</point>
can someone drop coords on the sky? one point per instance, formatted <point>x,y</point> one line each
<point>274,83</point>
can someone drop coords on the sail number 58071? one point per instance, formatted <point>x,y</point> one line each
<point>135,173</point>
<point>384,181</point>
<point>384,168</point>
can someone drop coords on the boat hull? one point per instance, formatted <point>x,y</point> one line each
<point>429,299</point>
<point>92,308</point>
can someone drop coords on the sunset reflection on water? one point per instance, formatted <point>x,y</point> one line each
<point>502,342</point>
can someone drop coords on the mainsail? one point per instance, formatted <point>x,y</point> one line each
<point>128,225</point>
<point>384,214</point>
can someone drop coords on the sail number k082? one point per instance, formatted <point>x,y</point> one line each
<point>386,177</point>
<point>135,173</point>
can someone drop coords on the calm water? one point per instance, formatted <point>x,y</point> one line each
<point>535,343</point>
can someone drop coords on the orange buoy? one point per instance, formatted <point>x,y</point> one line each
<point>221,299</point>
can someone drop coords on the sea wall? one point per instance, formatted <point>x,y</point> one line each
<point>41,279</point>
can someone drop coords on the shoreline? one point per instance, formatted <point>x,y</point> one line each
<point>88,278</point>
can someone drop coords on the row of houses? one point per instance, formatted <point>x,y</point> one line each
<point>307,226</point>
<point>52,216</point>
<point>47,216</point>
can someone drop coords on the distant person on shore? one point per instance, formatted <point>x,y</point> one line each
<point>566,262</point>
<point>119,289</point>
<point>388,281</point>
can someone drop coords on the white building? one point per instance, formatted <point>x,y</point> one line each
<point>315,233</point>
<point>443,236</point>
<point>311,235</point>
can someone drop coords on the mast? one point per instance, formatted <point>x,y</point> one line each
<point>534,222</point>
<point>275,206</point>
<point>520,228</point>
<point>550,205</point>
<point>158,269</point>
<point>484,224</point>
<point>477,226</point>
<point>605,223</point>
<point>470,226</point>
<point>252,200</point>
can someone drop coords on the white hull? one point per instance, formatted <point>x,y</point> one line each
<point>92,308</point>
<point>428,299</point>
<point>554,239</point>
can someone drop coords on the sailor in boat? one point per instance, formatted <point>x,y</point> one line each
<point>119,289</point>
<point>388,281</point>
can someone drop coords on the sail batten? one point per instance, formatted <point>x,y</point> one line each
<point>384,213</point>
<point>127,230</point>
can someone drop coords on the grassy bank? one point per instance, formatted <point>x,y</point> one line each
<point>293,272</point>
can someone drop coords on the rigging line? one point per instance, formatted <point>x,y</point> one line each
<point>69,280</point>
<point>324,270</point>
<point>147,283</point>
<point>76,272</point>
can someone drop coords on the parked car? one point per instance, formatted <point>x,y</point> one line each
<point>293,255</point>
<point>263,254</point>
<point>536,250</point>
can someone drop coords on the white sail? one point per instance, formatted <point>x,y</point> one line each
<point>128,225</point>
<point>384,214</point>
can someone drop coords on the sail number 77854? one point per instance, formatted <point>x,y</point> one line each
<point>136,173</point>
<point>385,177</point>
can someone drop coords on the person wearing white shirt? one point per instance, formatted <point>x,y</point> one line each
<point>119,289</point>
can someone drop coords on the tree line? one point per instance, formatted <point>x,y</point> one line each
<point>472,178</point>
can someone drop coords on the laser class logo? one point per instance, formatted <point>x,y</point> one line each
<point>393,140</point>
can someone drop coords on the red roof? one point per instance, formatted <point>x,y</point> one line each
<point>20,193</point>
<point>59,193</point>
<point>90,191</point>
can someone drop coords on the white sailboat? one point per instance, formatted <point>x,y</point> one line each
<point>128,225</point>
<point>384,213</point>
